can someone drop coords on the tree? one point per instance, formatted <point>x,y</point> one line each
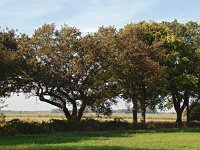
<point>138,69</point>
<point>183,66</point>
<point>64,68</point>
<point>181,42</point>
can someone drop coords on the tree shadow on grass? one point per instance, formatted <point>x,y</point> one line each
<point>47,147</point>
<point>67,141</point>
<point>100,148</point>
<point>60,138</point>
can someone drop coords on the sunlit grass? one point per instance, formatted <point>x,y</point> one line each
<point>158,139</point>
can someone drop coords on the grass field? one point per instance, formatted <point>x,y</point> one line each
<point>149,140</point>
<point>127,117</point>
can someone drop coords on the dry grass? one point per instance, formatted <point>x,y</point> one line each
<point>127,117</point>
<point>35,116</point>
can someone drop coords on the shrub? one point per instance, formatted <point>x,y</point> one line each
<point>62,125</point>
<point>115,125</point>
<point>2,118</point>
<point>16,126</point>
<point>195,113</point>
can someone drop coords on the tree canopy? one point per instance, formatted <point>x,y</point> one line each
<point>8,62</point>
<point>65,68</point>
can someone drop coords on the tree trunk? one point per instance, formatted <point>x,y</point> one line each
<point>134,111</point>
<point>143,120</point>
<point>188,113</point>
<point>67,114</point>
<point>188,116</point>
<point>178,110</point>
<point>143,102</point>
<point>81,110</point>
<point>179,122</point>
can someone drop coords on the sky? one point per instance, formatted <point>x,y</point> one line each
<point>87,15</point>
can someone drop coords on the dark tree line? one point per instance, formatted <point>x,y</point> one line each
<point>148,64</point>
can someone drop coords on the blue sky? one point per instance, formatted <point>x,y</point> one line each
<point>87,15</point>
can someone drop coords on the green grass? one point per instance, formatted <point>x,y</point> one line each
<point>152,139</point>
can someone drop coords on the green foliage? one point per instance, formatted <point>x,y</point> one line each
<point>183,64</point>
<point>8,62</point>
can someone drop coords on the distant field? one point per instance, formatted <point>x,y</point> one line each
<point>148,140</point>
<point>128,117</point>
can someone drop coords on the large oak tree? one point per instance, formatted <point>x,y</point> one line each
<point>68,70</point>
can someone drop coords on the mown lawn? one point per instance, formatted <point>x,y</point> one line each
<point>127,140</point>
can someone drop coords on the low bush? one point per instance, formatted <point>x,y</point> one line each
<point>115,125</point>
<point>17,127</point>
<point>195,113</point>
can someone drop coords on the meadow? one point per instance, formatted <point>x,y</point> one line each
<point>126,140</point>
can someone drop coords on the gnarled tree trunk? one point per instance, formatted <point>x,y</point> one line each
<point>179,109</point>
<point>76,115</point>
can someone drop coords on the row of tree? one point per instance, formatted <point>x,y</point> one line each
<point>149,64</point>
